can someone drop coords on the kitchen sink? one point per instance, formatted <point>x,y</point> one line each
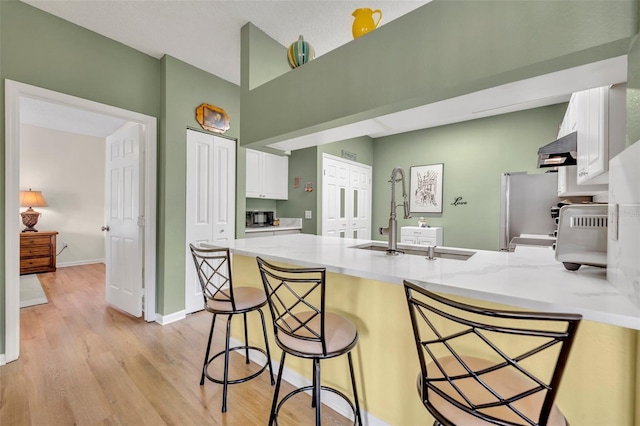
<point>441,252</point>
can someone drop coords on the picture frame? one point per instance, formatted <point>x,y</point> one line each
<point>426,188</point>
<point>212,118</point>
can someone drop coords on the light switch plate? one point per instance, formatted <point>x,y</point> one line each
<point>307,214</point>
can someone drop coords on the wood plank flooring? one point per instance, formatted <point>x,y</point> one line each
<point>83,362</point>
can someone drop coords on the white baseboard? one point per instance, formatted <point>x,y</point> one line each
<point>330,399</point>
<point>168,319</point>
<point>3,359</point>
<point>80,262</point>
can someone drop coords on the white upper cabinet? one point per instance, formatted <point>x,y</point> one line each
<point>267,175</point>
<point>598,117</point>
<point>601,130</point>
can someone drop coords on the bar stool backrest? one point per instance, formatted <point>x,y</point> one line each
<point>296,298</point>
<point>213,267</point>
<point>463,347</point>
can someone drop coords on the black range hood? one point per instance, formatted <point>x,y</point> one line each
<point>562,152</point>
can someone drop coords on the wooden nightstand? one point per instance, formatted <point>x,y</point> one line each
<point>37,252</point>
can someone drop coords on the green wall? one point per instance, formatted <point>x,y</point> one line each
<point>45,51</point>
<point>184,88</point>
<point>441,50</point>
<point>475,154</point>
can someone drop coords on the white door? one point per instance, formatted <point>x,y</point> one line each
<point>346,198</point>
<point>210,201</point>
<point>125,220</point>
<point>335,182</point>
<point>360,193</point>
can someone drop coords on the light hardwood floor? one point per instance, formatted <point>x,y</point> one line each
<point>83,362</point>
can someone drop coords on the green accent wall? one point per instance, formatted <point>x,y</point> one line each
<point>440,50</point>
<point>302,163</point>
<point>46,51</point>
<point>475,154</point>
<point>184,88</point>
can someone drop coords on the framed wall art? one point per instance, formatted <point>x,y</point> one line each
<point>212,118</point>
<point>426,188</point>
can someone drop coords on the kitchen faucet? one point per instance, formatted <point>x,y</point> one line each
<point>392,229</point>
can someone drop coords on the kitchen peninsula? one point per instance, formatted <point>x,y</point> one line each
<point>365,285</point>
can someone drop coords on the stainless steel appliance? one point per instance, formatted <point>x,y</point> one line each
<point>259,218</point>
<point>526,208</point>
<point>582,235</point>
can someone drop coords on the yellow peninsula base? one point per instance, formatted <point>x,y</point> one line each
<point>600,385</point>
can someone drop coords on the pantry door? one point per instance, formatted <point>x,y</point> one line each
<point>210,201</point>
<point>346,198</point>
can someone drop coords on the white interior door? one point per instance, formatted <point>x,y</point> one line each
<point>346,198</point>
<point>125,220</point>
<point>335,182</point>
<point>210,202</point>
<point>360,194</point>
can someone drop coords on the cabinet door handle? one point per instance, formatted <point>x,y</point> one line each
<point>105,228</point>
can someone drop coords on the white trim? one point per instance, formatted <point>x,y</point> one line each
<point>329,399</point>
<point>14,91</point>
<point>3,360</point>
<point>168,319</point>
<point>80,263</point>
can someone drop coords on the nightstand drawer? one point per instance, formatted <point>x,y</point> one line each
<point>35,251</point>
<point>35,263</point>
<point>35,240</point>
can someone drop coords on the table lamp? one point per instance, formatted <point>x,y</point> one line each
<point>30,217</point>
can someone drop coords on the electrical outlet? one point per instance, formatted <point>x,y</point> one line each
<point>307,214</point>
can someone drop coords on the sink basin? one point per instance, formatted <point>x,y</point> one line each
<point>441,252</point>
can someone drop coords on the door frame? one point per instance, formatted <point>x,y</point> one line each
<point>14,91</point>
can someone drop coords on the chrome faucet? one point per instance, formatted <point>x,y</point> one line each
<point>392,229</point>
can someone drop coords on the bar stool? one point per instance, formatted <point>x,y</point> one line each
<point>303,328</point>
<point>213,268</point>
<point>502,386</point>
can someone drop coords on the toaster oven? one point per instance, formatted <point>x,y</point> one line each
<point>582,235</point>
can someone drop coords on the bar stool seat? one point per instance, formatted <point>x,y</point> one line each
<point>340,335</point>
<point>246,299</point>
<point>503,381</point>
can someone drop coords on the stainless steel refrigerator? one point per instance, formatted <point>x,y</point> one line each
<point>526,205</point>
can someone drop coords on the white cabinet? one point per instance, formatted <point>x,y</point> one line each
<point>267,175</point>
<point>421,236</point>
<point>598,117</point>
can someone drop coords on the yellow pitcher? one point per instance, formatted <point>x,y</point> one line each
<point>364,21</point>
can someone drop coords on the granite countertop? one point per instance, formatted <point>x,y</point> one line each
<point>528,278</point>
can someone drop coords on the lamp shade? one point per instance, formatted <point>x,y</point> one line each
<point>32,199</point>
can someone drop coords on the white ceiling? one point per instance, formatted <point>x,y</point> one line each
<point>183,28</point>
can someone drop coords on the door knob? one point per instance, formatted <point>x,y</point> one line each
<point>104,228</point>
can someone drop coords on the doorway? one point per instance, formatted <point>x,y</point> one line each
<point>15,94</point>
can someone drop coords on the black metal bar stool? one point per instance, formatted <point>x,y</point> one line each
<point>501,387</point>
<point>213,267</point>
<point>304,329</point>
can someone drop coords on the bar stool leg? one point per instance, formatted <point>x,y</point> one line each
<point>226,366</point>
<point>266,345</point>
<point>316,389</point>
<point>246,339</point>
<point>272,417</point>
<point>355,392</point>
<point>206,355</point>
